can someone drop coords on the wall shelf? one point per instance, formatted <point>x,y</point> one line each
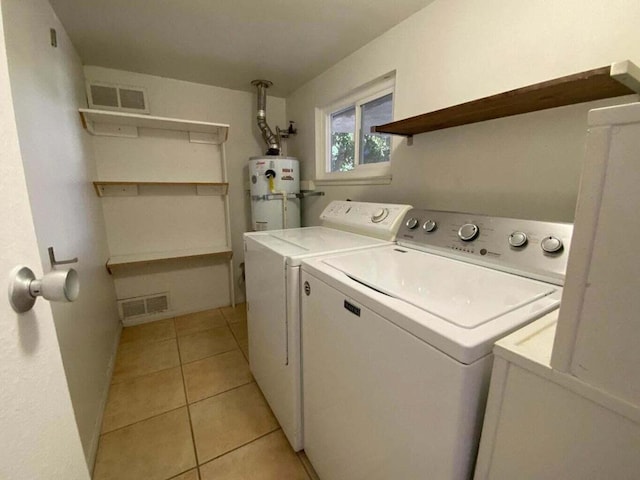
<point>132,189</point>
<point>120,262</point>
<point>622,78</point>
<point>121,124</point>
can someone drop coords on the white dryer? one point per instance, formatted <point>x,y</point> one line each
<point>397,340</point>
<point>272,265</point>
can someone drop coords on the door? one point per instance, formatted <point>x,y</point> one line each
<point>38,434</point>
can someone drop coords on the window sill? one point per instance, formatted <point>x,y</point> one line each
<point>373,180</point>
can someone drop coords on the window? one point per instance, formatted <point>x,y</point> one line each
<point>351,150</point>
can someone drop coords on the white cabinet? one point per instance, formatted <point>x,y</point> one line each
<point>165,199</point>
<point>598,338</point>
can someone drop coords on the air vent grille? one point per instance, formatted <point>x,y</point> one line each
<point>141,306</point>
<point>104,96</point>
<point>133,308</point>
<point>123,98</point>
<point>157,304</point>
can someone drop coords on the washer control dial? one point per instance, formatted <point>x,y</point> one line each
<point>468,232</point>
<point>551,244</point>
<point>429,226</point>
<point>379,215</point>
<point>518,239</point>
<point>412,223</point>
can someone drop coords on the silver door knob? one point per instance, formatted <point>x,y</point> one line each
<point>55,286</point>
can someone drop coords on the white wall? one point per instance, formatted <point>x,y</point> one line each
<point>166,157</point>
<point>452,52</point>
<point>38,435</point>
<point>48,87</point>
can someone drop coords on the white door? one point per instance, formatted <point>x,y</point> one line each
<point>38,434</point>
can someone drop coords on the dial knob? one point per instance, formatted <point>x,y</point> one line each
<point>429,226</point>
<point>412,223</point>
<point>551,244</point>
<point>379,215</point>
<point>518,239</point>
<point>468,232</point>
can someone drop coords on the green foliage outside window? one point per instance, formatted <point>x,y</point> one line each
<point>375,148</point>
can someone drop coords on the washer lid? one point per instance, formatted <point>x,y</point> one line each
<point>312,241</point>
<point>459,293</point>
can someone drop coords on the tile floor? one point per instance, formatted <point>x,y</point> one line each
<point>183,405</point>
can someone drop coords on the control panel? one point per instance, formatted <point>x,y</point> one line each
<point>527,247</point>
<point>379,220</point>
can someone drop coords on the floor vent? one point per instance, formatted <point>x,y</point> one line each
<point>124,98</point>
<point>140,306</point>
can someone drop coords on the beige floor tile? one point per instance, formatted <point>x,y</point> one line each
<point>199,321</point>
<point>239,330</point>
<point>149,332</point>
<point>268,458</point>
<point>157,448</point>
<point>217,374</point>
<point>190,475</point>
<point>238,314</point>
<point>229,420</point>
<point>207,343</point>
<point>139,358</point>
<point>143,397</point>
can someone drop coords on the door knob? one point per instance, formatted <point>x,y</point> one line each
<point>55,286</point>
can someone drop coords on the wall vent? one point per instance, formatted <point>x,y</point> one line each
<point>141,306</point>
<point>123,98</point>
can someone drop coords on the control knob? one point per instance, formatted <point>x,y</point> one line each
<point>551,244</point>
<point>518,239</point>
<point>429,226</point>
<point>412,223</point>
<point>379,215</point>
<point>468,232</point>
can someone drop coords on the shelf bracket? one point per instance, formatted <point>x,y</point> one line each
<point>409,140</point>
<point>628,74</point>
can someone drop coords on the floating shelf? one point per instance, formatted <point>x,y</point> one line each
<point>132,189</point>
<point>120,124</point>
<point>119,262</point>
<point>622,78</point>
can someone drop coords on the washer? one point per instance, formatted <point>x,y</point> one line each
<point>272,262</point>
<point>397,340</point>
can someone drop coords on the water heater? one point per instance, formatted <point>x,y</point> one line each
<point>274,184</point>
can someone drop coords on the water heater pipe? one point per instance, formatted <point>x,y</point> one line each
<point>270,174</point>
<point>269,137</point>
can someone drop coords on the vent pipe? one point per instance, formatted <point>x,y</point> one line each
<point>272,140</point>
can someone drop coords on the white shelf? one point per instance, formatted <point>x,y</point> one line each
<point>141,259</point>
<point>120,124</point>
<point>132,189</point>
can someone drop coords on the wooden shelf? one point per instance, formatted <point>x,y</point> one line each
<point>120,124</point>
<point>119,262</point>
<point>132,189</point>
<point>622,78</point>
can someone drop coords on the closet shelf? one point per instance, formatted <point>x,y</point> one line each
<point>622,78</point>
<point>120,124</point>
<point>132,189</point>
<point>142,259</point>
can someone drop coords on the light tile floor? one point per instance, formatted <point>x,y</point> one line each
<point>183,405</point>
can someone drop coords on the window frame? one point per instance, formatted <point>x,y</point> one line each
<point>371,173</point>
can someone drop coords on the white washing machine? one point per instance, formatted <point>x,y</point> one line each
<point>272,263</point>
<point>397,340</point>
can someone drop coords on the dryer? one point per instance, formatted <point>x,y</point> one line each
<point>272,266</point>
<point>397,340</point>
